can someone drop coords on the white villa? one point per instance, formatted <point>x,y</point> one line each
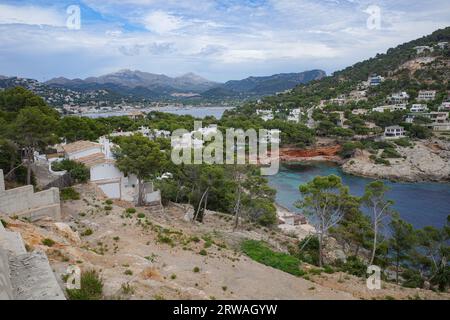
<point>426,95</point>
<point>295,115</point>
<point>440,121</point>
<point>442,45</point>
<point>399,97</point>
<point>266,115</point>
<point>360,111</point>
<point>375,80</point>
<point>422,49</point>
<point>390,108</point>
<point>394,132</point>
<point>445,106</point>
<point>419,108</point>
<point>98,157</point>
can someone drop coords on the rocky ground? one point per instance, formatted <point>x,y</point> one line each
<point>425,161</point>
<point>156,256</point>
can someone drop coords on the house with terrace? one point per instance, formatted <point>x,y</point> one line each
<point>426,95</point>
<point>394,132</point>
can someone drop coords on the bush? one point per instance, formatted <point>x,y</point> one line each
<point>196,270</point>
<point>48,242</point>
<point>382,161</point>
<point>108,208</point>
<point>390,153</point>
<point>69,194</point>
<point>109,202</point>
<point>141,215</point>
<point>203,252</point>
<point>259,252</point>
<point>354,266</point>
<point>403,142</point>
<point>87,232</point>
<point>309,250</point>
<point>131,210</point>
<point>91,287</point>
<point>78,171</point>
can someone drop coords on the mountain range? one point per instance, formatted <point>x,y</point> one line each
<point>148,85</point>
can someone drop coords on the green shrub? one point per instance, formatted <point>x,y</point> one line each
<point>109,202</point>
<point>382,161</point>
<point>78,171</point>
<point>259,252</point>
<point>48,242</point>
<point>128,272</point>
<point>141,215</point>
<point>203,252</point>
<point>403,142</point>
<point>91,287</point>
<point>354,266</point>
<point>196,270</point>
<point>390,153</point>
<point>131,210</point>
<point>69,194</point>
<point>309,250</point>
<point>87,233</point>
<point>108,208</point>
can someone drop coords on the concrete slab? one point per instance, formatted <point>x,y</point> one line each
<point>12,242</point>
<point>6,289</point>
<point>33,279</point>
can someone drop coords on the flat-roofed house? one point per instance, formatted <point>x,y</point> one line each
<point>422,49</point>
<point>394,132</point>
<point>445,106</point>
<point>419,108</point>
<point>426,95</point>
<point>399,98</point>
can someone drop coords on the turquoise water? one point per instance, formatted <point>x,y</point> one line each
<point>421,204</point>
<point>197,112</point>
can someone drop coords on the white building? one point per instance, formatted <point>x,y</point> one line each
<point>399,98</point>
<point>266,115</point>
<point>360,111</point>
<point>419,108</point>
<point>375,80</point>
<point>445,106</point>
<point>295,115</point>
<point>442,45</point>
<point>394,132</point>
<point>422,49</point>
<point>390,108</point>
<point>426,95</point>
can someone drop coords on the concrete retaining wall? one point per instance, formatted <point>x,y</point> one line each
<point>24,202</point>
<point>6,290</point>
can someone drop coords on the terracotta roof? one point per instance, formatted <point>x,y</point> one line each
<point>79,146</point>
<point>94,159</point>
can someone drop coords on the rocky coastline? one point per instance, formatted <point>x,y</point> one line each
<point>425,161</point>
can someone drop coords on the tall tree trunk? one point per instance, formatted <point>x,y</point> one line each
<point>29,155</point>
<point>200,204</point>
<point>237,209</point>
<point>397,267</point>
<point>140,192</point>
<point>320,249</point>
<point>374,248</point>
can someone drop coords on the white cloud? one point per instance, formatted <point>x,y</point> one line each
<point>162,22</point>
<point>31,15</point>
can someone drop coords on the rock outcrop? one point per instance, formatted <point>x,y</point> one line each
<point>425,161</point>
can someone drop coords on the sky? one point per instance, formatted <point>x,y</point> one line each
<point>218,39</point>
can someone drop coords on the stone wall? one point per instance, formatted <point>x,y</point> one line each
<point>6,290</point>
<point>23,202</point>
